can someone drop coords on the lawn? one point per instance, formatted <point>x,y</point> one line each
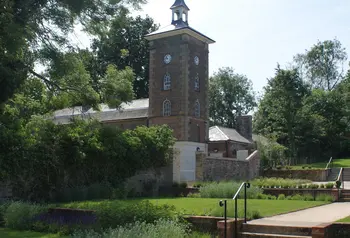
<point>337,163</point>
<point>7,233</point>
<point>346,219</point>
<point>210,206</point>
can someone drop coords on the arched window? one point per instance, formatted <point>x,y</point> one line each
<point>166,108</point>
<point>197,109</point>
<point>196,83</point>
<point>167,82</point>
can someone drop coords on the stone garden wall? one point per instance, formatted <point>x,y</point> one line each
<point>219,168</point>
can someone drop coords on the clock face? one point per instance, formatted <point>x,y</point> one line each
<point>196,60</point>
<point>167,58</point>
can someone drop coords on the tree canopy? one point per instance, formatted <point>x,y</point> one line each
<point>231,95</point>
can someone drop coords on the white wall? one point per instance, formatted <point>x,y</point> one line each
<point>185,166</point>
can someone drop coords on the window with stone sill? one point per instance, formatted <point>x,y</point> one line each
<point>166,108</point>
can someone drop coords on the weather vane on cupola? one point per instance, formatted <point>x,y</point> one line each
<point>179,13</point>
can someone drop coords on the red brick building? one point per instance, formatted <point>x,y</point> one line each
<point>178,95</point>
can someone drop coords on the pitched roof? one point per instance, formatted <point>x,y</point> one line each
<point>174,29</point>
<point>179,3</point>
<point>133,110</point>
<point>217,133</point>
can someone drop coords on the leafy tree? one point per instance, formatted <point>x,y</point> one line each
<point>33,31</point>
<point>231,95</point>
<point>322,65</point>
<point>277,115</point>
<point>121,42</point>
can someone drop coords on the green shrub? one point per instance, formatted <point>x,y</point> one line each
<point>325,198</point>
<point>19,215</point>
<point>278,182</point>
<point>226,190</point>
<point>281,197</point>
<point>161,228</point>
<point>330,185</point>
<point>118,213</point>
<point>338,184</point>
<point>313,186</point>
<point>183,185</point>
<point>194,195</point>
<point>261,196</point>
<point>3,207</point>
<point>271,197</point>
<point>308,197</point>
<point>297,197</point>
<point>322,185</point>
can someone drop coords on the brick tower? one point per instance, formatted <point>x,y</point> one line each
<point>178,87</point>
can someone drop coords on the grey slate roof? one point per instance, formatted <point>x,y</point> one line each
<point>217,133</point>
<point>135,109</point>
<point>179,3</point>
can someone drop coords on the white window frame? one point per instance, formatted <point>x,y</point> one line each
<point>166,108</point>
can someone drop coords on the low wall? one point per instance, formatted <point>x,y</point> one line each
<point>310,174</point>
<point>294,191</point>
<point>338,230</point>
<point>216,168</point>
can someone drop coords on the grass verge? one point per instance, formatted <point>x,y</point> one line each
<point>337,163</point>
<point>346,219</point>
<point>7,233</point>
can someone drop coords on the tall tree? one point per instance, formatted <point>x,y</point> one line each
<point>323,65</point>
<point>277,114</point>
<point>32,29</point>
<point>231,95</point>
<point>121,42</point>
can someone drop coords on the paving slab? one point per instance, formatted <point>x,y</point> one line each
<point>308,217</point>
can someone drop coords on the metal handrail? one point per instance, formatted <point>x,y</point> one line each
<point>235,197</point>
<point>329,162</point>
<point>341,177</point>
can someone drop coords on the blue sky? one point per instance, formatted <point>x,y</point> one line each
<point>252,36</point>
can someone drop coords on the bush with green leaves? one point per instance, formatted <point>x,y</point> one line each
<point>159,229</point>
<point>325,197</point>
<point>227,190</point>
<point>20,215</point>
<point>329,185</point>
<point>279,182</point>
<point>117,213</point>
<point>48,160</point>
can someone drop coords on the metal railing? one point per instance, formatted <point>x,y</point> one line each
<point>330,163</point>
<point>244,185</point>
<point>341,178</point>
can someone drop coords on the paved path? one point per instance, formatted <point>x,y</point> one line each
<point>309,217</point>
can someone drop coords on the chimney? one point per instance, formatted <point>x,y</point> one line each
<point>244,126</point>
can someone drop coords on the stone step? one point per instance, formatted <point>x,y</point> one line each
<point>347,199</point>
<point>275,229</point>
<point>265,235</point>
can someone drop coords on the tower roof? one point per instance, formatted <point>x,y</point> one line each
<point>179,3</point>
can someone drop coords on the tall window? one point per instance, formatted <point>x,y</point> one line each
<point>196,83</point>
<point>197,109</point>
<point>166,108</point>
<point>167,82</point>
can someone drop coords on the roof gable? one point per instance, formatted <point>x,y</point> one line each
<point>217,133</point>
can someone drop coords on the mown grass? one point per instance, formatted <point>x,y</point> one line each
<point>337,163</point>
<point>210,206</point>
<point>8,233</point>
<point>346,219</point>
